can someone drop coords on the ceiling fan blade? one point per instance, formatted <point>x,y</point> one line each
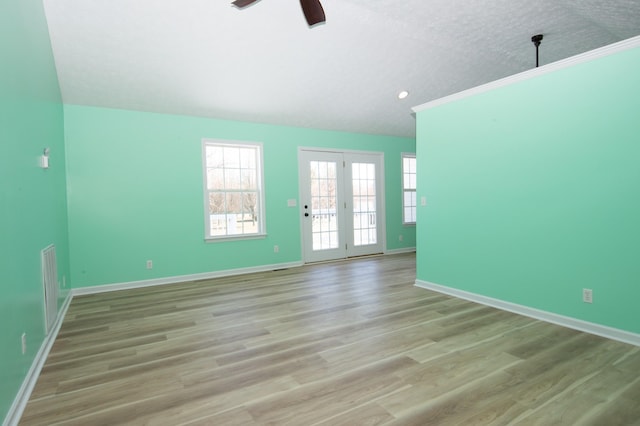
<point>313,11</point>
<point>242,3</point>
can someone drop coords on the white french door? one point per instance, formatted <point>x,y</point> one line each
<point>322,205</point>
<point>341,203</point>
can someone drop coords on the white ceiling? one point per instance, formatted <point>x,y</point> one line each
<point>264,64</point>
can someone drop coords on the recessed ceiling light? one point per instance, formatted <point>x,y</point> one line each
<point>403,94</point>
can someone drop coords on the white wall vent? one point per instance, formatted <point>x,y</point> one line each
<point>50,285</point>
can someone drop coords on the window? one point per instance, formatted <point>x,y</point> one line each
<point>233,189</point>
<point>408,188</point>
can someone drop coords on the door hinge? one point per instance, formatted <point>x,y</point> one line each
<point>345,204</point>
<point>344,164</point>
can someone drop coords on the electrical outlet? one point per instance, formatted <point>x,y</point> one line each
<point>24,343</point>
<point>149,264</point>
<point>276,249</point>
<point>587,295</point>
<point>400,237</point>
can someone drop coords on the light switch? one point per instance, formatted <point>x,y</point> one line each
<point>423,201</point>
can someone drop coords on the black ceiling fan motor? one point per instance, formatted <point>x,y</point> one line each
<point>312,9</point>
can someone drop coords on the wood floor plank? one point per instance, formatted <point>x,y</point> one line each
<point>206,410</point>
<point>370,414</point>
<point>622,407</point>
<point>320,399</point>
<point>343,359</point>
<point>343,343</point>
<point>443,376</point>
<point>65,407</point>
<point>453,406</point>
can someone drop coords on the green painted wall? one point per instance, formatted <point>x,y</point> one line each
<point>533,192</point>
<point>32,200</point>
<point>135,193</point>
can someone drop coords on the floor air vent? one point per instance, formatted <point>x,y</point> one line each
<point>50,284</point>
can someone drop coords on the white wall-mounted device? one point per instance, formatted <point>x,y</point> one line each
<point>44,159</point>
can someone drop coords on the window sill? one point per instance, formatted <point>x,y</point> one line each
<point>235,238</point>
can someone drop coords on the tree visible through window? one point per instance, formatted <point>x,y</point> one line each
<point>409,188</point>
<point>233,189</point>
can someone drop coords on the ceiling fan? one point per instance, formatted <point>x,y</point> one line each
<point>312,9</point>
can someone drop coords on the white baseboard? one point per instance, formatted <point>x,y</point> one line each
<point>21,399</point>
<point>400,250</point>
<point>576,324</point>
<point>182,278</point>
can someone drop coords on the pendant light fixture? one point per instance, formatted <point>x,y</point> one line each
<point>537,39</point>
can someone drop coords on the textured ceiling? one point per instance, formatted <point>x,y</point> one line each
<point>264,64</point>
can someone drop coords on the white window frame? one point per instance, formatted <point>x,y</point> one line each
<point>261,231</point>
<point>406,190</point>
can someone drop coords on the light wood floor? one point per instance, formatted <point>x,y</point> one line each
<point>348,343</point>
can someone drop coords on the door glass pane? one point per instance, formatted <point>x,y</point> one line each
<point>364,203</point>
<point>324,201</point>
